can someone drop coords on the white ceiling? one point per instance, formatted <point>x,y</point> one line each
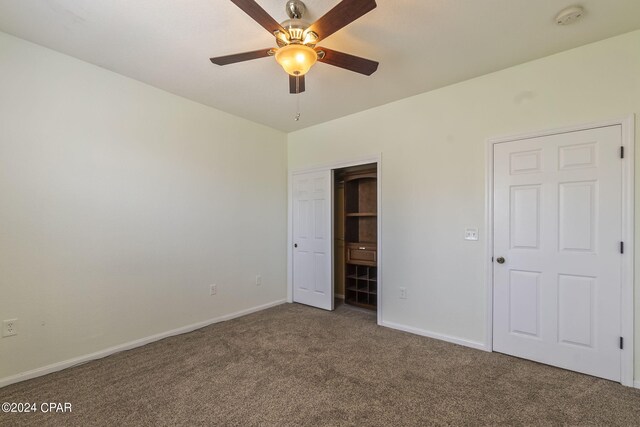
<point>421,45</point>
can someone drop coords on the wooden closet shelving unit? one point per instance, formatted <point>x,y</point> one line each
<point>361,237</point>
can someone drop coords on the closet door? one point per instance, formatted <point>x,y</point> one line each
<point>312,277</point>
<point>557,234</point>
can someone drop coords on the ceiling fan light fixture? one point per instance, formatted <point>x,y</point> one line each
<point>310,38</point>
<point>282,39</point>
<point>296,59</point>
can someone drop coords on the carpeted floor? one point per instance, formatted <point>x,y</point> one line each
<point>295,365</point>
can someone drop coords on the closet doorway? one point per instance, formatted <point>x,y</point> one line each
<point>334,236</point>
<point>355,218</point>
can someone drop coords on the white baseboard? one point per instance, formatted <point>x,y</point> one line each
<point>442,337</point>
<point>454,340</point>
<point>38,372</point>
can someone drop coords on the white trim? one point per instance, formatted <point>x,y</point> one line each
<point>290,237</point>
<point>332,215</point>
<point>488,340</point>
<point>628,236</point>
<point>628,188</point>
<point>374,158</point>
<point>338,164</point>
<point>624,121</point>
<point>38,372</point>
<point>636,384</point>
<point>460,341</point>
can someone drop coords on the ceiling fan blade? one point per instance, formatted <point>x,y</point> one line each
<point>240,57</point>
<point>296,84</point>
<point>253,9</point>
<point>340,16</point>
<point>348,62</point>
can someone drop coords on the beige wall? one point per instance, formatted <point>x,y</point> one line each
<point>433,170</point>
<point>120,204</point>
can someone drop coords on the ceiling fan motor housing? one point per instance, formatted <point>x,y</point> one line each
<point>296,28</point>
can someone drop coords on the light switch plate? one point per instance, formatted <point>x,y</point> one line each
<point>471,234</point>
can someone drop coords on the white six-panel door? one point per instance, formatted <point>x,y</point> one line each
<point>557,224</point>
<point>312,238</point>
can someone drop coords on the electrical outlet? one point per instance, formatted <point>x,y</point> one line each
<point>258,280</point>
<point>471,234</point>
<point>403,293</point>
<point>213,289</point>
<point>9,327</point>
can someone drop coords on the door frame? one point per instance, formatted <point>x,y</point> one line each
<point>628,187</point>
<point>374,158</point>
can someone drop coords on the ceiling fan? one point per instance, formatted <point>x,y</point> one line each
<point>297,39</point>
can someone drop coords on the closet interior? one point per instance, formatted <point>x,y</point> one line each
<point>356,235</point>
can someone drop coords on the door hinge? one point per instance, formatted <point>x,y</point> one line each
<point>621,247</point>
<point>621,343</point>
<point>622,152</point>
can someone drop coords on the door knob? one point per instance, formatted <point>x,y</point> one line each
<point>500,260</point>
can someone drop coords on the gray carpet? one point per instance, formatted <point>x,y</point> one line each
<point>295,365</point>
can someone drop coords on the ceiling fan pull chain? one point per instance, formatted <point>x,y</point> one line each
<point>297,118</point>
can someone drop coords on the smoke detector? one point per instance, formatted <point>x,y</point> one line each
<point>570,15</point>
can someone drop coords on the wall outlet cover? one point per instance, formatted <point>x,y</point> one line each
<point>9,327</point>
<point>471,234</point>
